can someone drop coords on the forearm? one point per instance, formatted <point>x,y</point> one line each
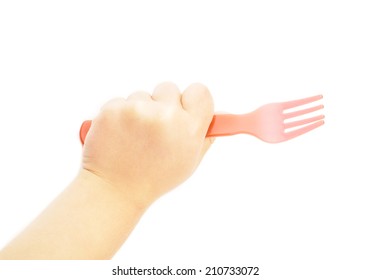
<point>89,220</point>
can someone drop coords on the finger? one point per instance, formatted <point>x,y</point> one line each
<point>166,92</point>
<point>139,95</point>
<point>197,100</point>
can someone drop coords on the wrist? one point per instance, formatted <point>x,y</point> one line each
<point>105,188</point>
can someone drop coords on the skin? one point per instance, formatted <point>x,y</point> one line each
<point>137,149</point>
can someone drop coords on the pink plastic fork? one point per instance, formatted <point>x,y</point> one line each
<point>268,123</point>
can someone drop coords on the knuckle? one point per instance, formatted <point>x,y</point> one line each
<point>166,84</point>
<point>132,110</point>
<point>201,88</point>
<point>138,95</point>
<point>200,93</point>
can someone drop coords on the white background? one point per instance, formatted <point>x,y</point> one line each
<point>298,210</point>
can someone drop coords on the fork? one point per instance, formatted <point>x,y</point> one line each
<point>270,123</point>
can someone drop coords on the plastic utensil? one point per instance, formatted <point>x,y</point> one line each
<point>268,122</point>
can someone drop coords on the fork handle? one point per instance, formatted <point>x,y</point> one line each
<point>229,124</point>
<point>221,125</point>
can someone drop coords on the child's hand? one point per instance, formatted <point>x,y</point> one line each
<point>136,150</point>
<point>146,145</point>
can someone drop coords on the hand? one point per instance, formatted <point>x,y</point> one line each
<point>136,150</point>
<point>147,145</point>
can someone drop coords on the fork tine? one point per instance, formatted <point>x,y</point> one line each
<point>300,131</point>
<point>299,102</point>
<point>303,122</point>
<point>302,112</point>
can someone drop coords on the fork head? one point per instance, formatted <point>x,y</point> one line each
<point>276,124</point>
